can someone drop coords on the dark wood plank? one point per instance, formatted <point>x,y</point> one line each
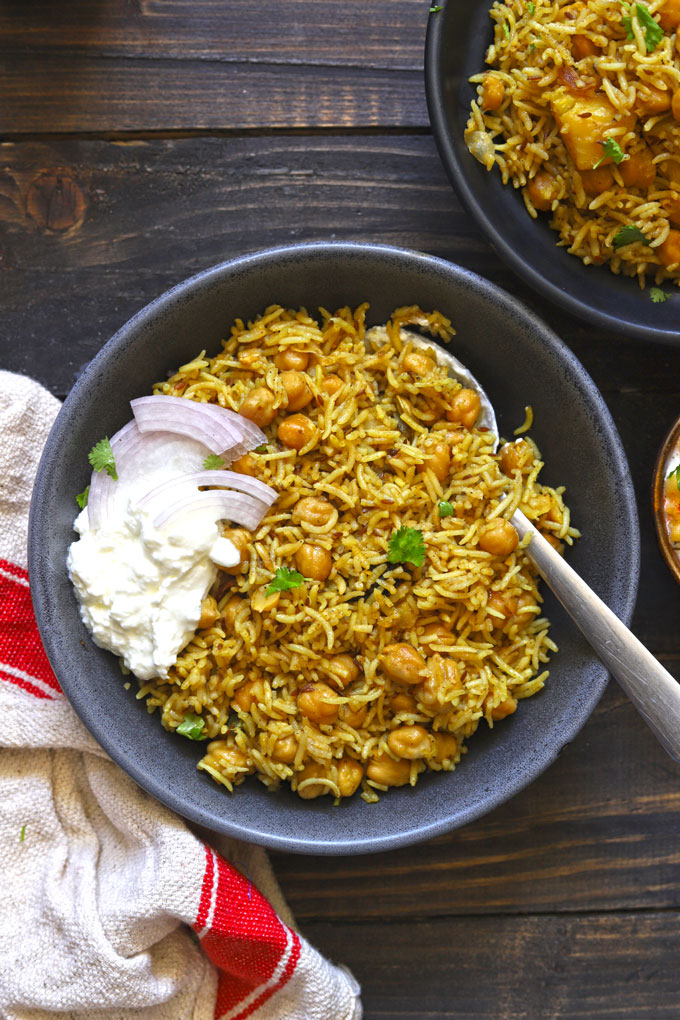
<point>152,65</point>
<point>554,968</point>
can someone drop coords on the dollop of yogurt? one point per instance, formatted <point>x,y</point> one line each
<point>140,587</point>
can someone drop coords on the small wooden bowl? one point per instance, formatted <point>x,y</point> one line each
<point>661,469</point>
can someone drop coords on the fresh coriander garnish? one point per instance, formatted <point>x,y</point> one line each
<point>613,150</point>
<point>532,47</point>
<point>626,21</point>
<point>439,7</point>
<point>262,448</point>
<point>506,29</point>
<point>531,9</point>
<point>81,498</point>
<point>658,295</point>
<point>213,462</point>
<point>192,726</point>
<point>406,545</point>
<point>629,235</point>
<point>653,31</point>
<point>676,472</point>
<point>101,458</point>
<point>22,833</point>
<point>284,579</point>
<point>445,509</point>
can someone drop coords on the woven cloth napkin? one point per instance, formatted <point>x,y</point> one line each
<point>111,907</point>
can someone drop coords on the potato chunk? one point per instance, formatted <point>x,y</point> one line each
<point>585,121</point>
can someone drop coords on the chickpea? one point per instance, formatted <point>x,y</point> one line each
<point>438,461</point>
<point>465,408</point>
<point>241,539</point>
<point>332,384</point>
<point>499,538</point>
<point>263,603</point>
<point>417,362</point>
<point>297,389</point>
<point>652,101</point>
<point>596,181</point>
<point>244,465</point>
<point>313,703</point>
<point>639,171</point>
<point>290,360</point>
<point>669,15</point>
<point>249,355</point>
<point>445,747</point>
<point>675,104</point>
<point>313,561</point>
<point>350,774</point>
<point>582,47</point>
<point>313,510</point>
<point>442,682</point>
<point>403,703</point>
<point>344,670</point>
<point>402,662</point>
<point>385,771</point>
<point>517,456</point>
<point>672,209</point>
<point>669,251</point>
<point>493,92</point>
<point>285,749</point>
<point>248,694</point>
<point>227,759</point>
<point>435,634</point>
<point>410,742</point>
<point>504,709</point>
<point>312,771</point>
<point>297,431</point>
<point>230,611</point>
<point>351,717</point>
<point>209,612</point>
<point>258,406</point>
<point>542,191</point>
<point>502,603</point>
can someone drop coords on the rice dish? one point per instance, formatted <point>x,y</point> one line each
<point>580,109</point>
<point>383,608</point>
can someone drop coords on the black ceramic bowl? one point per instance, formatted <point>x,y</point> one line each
<point>518,359</point>
<point>457,39</point>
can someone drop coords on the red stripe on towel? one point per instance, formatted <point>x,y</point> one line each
<point>20,645</point>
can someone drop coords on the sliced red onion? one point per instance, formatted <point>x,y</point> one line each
<point>216,505</point>
<point>224,479</point>
<point>222,431</point>
<point>137,457</point>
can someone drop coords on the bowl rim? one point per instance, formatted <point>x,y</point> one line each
<point>340,844</point>
<point>583,310</point>
<point>670,554</point>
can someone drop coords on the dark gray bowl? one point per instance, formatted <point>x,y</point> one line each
<point>457,39</point>
<point>519,360</point>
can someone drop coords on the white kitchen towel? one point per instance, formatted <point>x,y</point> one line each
<point>111,907</point>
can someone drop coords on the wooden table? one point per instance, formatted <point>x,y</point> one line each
<point>143,140</point>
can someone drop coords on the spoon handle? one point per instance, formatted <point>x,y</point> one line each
<point>651,688</point>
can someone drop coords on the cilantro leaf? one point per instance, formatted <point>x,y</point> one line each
<point>262,448</point>
<point>439,7</point>
<point>613,150</point>
<point>284,579</point>
<point>629,235</point>
<point>81,498</point>
<point>506,29</point>
<point>658,295</point>
<point>676,472</point>
<point>22,833</point>
<point>101,458</point>
<point>213,462</point>
<point>531,9</point>
<point>192,726</point>
<point>445,509</point>
<point>407,545</point>
<point>653,30</point>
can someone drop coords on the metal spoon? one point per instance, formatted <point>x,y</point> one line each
<point>651,688</point>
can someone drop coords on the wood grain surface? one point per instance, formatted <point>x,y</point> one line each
<point>144,140</point>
